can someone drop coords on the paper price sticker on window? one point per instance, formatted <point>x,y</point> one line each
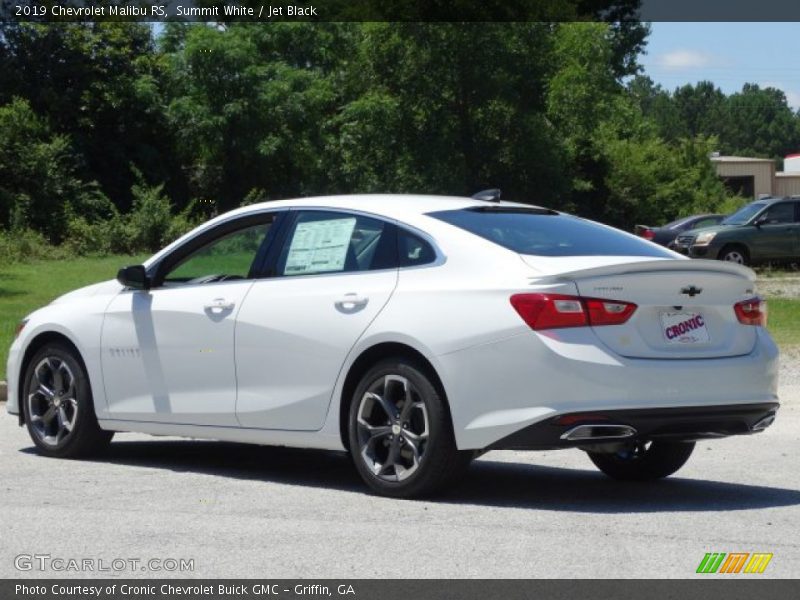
<point>319,246</point>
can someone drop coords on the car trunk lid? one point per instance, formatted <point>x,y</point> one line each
<point>684,307</point>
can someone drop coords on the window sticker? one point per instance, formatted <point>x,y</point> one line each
<point>319,246</point>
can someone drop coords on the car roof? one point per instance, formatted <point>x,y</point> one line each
<point>773,199</point>
<point>395,206</point>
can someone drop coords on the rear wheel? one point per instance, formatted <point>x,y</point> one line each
<point>734,254</point>
<point>401,436</point>
<point>644,461</point>
<point>59,411</point>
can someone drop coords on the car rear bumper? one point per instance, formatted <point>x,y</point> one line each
<point>675,424</point>
<point>498,389</point>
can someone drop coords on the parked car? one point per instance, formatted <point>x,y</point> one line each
<point>666,234</point>
<point>415,332</point>
<point>764,230</point>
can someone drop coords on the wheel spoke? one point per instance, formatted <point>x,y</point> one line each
<point>49,415</point>
<point>63,420</point>
<point>391,459</point>
<point>374,431</point>
<point>408,406</point>
<point>387,407</point>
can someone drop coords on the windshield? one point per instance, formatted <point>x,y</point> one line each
<point>547,233</point>
<point>744,214</point>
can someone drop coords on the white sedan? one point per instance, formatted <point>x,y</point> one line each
<point>415,332</point>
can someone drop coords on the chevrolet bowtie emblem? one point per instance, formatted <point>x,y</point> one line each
<point>691,291</point>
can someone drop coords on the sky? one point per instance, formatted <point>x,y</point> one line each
<point>728,54</point>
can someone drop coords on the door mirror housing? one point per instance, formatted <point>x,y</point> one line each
<point>134,277</point>
<point>760,221</point>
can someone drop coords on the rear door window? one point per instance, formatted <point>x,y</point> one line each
<point>321,242</point>
<point>547,233</point>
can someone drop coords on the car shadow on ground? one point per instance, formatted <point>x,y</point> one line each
<point>488,482</point>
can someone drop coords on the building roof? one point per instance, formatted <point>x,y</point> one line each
<point>741,159</point>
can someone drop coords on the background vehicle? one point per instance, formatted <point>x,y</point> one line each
<point>415,332</point>
<point>666,234</point>
<point>764,230</point>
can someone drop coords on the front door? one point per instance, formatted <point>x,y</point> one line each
<point>777,236</point>
<point>168,352</point>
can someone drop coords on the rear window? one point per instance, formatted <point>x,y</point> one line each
<point>547,233</point>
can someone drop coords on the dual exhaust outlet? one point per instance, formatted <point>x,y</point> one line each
<point>603,431</point>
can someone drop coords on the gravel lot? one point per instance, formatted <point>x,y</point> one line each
<point>242,511</point>
<point>784,287</point>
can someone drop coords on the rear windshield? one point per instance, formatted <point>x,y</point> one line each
<point>547,233</point>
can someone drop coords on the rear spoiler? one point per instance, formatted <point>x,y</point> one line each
<point>651,266</point>
<point>638,229</point>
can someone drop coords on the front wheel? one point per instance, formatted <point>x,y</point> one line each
<point>59,411</point>
<point>400,433</point>
<point>644,461</point>
<point>734,254</point>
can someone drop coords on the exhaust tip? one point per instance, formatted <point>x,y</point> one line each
<point>598,432</point>
<point>764,423</point>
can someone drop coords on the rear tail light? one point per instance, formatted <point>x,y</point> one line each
<point>555,311</point>
<point>751,312</point>
<point>648,234</point>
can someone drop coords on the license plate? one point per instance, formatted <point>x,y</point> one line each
<point>687,328</point>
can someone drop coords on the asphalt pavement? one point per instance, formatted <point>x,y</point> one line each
<point>245,511</point>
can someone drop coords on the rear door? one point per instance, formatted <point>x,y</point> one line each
<point>331,276</point>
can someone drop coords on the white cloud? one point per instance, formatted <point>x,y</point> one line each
<point>793,98</point>
<point>684,59</point>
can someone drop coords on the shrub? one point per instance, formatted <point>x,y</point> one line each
<point>150,218</point>
<point>24,245</point>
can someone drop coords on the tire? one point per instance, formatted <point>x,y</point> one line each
<point>58,405</point>
<point>735,254</point>
<point>411,452</point>
<point>644,463</point>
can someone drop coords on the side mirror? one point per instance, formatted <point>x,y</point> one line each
<point>134,277</point>
<point>760,221</point>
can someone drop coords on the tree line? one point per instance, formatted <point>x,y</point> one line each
<point>116,137</point>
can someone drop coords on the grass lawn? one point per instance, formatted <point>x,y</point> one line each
<point>783,321</point>
<point>25,287</point>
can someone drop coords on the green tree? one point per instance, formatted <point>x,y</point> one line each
<point>759,122</point>
<point>37,172</point>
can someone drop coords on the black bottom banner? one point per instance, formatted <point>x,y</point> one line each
<point>396,589</point>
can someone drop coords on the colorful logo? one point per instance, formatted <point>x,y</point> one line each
<point>735,562</point>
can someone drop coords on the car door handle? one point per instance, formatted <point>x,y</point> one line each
<point>219,304</point>
<point>351,302</point>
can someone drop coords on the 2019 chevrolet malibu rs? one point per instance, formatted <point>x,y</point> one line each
<point>415,332</point>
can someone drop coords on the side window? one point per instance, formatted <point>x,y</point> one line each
<point>780,213</point>
<point>336,242</point>
<point>797,212</point>
<point>413,250</point>
<point>705,223</point>
<point>225,258</point>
